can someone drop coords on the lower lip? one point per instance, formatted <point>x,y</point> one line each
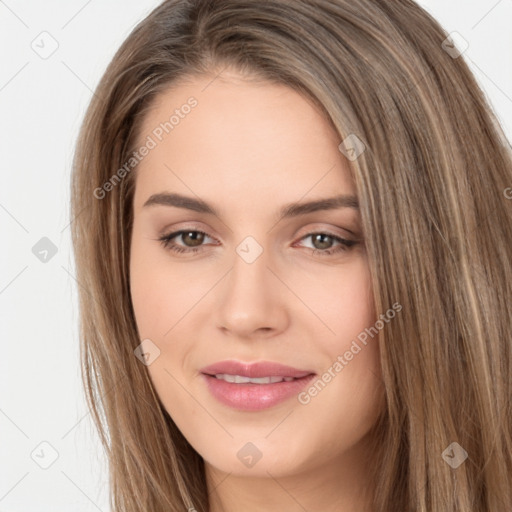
<point>254,397</point>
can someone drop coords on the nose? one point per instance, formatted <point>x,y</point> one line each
<point>251,301</point>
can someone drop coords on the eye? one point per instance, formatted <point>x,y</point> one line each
<point>193,239</point>
<point>323,243</point>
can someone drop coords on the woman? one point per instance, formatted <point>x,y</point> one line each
<point>293,231</point>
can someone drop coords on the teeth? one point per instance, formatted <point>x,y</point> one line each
<point>239,379</point>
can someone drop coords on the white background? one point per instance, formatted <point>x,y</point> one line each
<point>42,103</point>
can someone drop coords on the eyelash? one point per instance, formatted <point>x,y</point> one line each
<point>345,245</point>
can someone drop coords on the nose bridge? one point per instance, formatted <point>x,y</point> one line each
<point>248,280</point>
<point>248,300</point>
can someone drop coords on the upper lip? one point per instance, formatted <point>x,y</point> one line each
<point>256,369</point>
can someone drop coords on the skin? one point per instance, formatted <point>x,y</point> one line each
<point>248,149</point>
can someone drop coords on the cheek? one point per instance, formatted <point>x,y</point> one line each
<point>162,292</point>
<point>162,295</point>
<point>152,305</point>
<point>343,303</point>
<point>348,340</point>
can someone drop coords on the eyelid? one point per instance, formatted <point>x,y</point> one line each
<point>173,228</point>
<point>178,232</point>
<point>311,229</point>
<point>333,231</point>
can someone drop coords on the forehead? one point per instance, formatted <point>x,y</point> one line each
<point>230,137</point>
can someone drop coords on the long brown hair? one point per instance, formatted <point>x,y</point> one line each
<point>431,184</point>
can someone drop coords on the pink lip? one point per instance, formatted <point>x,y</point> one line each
<point>258,369</point>
<point>254,397</point>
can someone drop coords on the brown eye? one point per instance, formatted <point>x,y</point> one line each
<point>192,238</point>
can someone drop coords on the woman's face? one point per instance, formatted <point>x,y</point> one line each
<point>259,285</point>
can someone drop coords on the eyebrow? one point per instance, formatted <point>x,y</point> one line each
<point>287,211</point>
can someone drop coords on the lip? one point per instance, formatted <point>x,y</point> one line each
<point>250,396</point>
<point>257,369</point>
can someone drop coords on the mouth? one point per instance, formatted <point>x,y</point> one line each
<point>254,370</point>
<point>241,379</point>
<point>254,387</point>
